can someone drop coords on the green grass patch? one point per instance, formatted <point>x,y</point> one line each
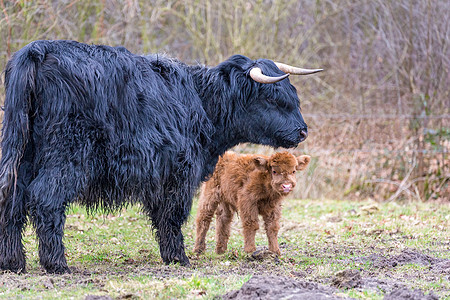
<point>117,255</point>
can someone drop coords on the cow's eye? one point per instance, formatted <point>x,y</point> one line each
<point>293,172</point>
<point>274,172</point>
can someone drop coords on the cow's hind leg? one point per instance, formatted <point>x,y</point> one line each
<point>50,196</point>
<point>13,217</point>
<point>12,221</point>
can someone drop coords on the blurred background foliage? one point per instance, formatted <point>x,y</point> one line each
<point>379,117</point>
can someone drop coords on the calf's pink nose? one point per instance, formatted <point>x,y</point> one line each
<point>286,187</point>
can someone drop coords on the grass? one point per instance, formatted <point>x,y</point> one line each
<point>117,255</point>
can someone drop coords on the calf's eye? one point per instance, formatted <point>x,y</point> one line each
<point>293,172</point>
<point>274,172</point>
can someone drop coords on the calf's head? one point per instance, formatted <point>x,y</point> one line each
<point>282,168</point>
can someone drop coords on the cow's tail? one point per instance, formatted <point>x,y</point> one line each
<point>20,74</point>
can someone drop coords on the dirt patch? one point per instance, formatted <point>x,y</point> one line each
<point>381,274</point>
<point>404,293</point>
<point>442,267</point>
<point>278,287</point>
<point>95,297</point>
<point>347,279</point>
<point>407,256</point>
<point>40,281</point>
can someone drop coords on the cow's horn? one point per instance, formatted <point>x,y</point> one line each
<point>257,75</point>
<point>296,71</point>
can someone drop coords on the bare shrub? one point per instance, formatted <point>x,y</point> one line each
<point>379,116</point>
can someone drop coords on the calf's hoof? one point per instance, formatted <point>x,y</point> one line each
<point>261,255</point>
<point>276,251</point>
<point>250,249</point>
<point>199,250</point>
<point>221,250</point>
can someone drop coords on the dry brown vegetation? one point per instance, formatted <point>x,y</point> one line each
<point>379,116</point>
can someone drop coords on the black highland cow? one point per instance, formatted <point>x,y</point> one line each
<point>104,127</point>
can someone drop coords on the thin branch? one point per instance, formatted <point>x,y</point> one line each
<point>9,28</point>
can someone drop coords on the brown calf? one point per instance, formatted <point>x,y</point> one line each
<point>252,185</point>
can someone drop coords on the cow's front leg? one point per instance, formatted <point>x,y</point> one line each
<point>167,220</point>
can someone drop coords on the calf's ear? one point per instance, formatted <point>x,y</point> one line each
<point>261,162</point>
<point>303,161</point>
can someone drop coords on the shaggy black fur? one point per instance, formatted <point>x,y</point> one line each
<point>105,127</point>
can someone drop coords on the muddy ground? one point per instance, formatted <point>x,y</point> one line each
<point>271,278</point>
<point>266,286</point>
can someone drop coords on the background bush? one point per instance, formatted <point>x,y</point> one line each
<point>379,116</point>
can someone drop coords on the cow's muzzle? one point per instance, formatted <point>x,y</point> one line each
<point>303,135</point>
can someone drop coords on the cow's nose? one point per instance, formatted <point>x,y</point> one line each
<point>303,134</point>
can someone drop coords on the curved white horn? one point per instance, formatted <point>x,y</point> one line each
<point>296,71</point>
<point>257,75</point>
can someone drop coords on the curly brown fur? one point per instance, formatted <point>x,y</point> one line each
<point>251,185</point>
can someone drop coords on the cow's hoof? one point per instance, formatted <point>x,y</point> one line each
<point>184,261</point>
<point>58,269</point>
<point>14,266</point>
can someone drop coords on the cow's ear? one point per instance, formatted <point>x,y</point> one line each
<point>303,161</point>
<point>260,162</point>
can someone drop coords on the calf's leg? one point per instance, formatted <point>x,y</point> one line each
<point>207,206</point>
<point>249,216</point>
<point>272,225</point>
<point>224,216</point>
